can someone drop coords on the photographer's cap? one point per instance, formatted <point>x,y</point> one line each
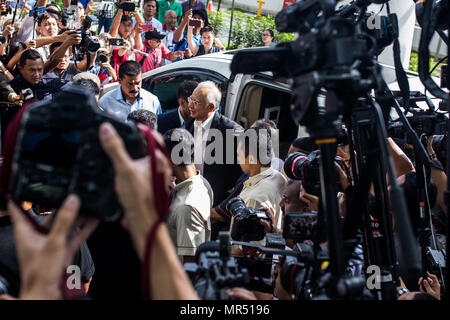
<point>154,34</point>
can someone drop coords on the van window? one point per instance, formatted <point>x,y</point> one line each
<point>261,102</point>
<point>165,87</point>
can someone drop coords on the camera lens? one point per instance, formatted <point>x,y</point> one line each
<point>102,58</point>
<point>92,45</point>
<point>293,165</point>
<point>235,205</point>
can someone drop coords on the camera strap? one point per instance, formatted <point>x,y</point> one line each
<point>400,73</point>
<point>162,202</point>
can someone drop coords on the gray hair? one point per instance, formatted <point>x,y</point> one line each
<point>86,76</point>
<point>213,94</point>
<point>168,11</point>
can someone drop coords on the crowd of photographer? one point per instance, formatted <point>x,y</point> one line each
<point>163,33</point>
<point>162,205</point>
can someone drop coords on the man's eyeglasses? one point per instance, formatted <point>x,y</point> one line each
<point>266,35</point>
<point>193,101</point>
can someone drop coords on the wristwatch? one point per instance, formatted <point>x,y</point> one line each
<point>401,292</point>
<point>433,156</point>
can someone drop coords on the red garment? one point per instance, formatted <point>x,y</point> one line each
<point>154,58</point>
<point>102,76</point>
<point>118,60</point>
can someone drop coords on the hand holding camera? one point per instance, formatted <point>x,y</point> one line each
<point>310,200</point>
<point>118,42</point>
<point>247,224</point>
<point>269,225</point>
<point>74,39</point>
<point>8,30</point>
<point>30,44</point>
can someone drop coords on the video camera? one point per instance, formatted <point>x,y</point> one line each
<point>246,226</point>
<point>58,152</point>
<point>215,270</point>
<point>424,121</point>
<point>299,166</point>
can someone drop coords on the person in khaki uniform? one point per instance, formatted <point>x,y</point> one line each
<point>263,188</point>
<point>192,197</point>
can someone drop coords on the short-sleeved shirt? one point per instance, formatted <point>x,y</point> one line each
<point>154,59</point>
<point>115,104</point>
<point>164,6</point>
<point>189,219</point>
<point>264,190</point>
<point>187,5</point>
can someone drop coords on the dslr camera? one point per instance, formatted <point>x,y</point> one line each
<point>58,152</point>
<point>127,6</point>
<point>88,43</point>
<point>299,166</point>
<point>246,226</point>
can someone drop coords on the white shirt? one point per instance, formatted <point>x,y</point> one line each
<point>182,125</point>
<point>200,137</point>
<point>189,221</point>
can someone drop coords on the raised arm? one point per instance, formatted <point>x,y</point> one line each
<point>138,17</point>
<point>190,40</point>
<point>116,23</point>
<point>137,37</point>
<point>402,163</point>
<point>59,53</point>
<point>180,30</point>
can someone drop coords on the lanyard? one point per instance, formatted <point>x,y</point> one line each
<point>154,56</point>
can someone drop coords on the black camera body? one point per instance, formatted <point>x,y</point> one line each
<point>299,166</point>
<point>88,43</point>
<point>101,58</point>
<point>58,152</point>
<point>127,6</point>
<point>215,270</point>
<point>246,226</point>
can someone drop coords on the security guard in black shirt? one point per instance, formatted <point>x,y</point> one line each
<point>31,67</point>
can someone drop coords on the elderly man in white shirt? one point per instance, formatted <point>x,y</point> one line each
<point>192,197</point>
<point>129,96</point>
